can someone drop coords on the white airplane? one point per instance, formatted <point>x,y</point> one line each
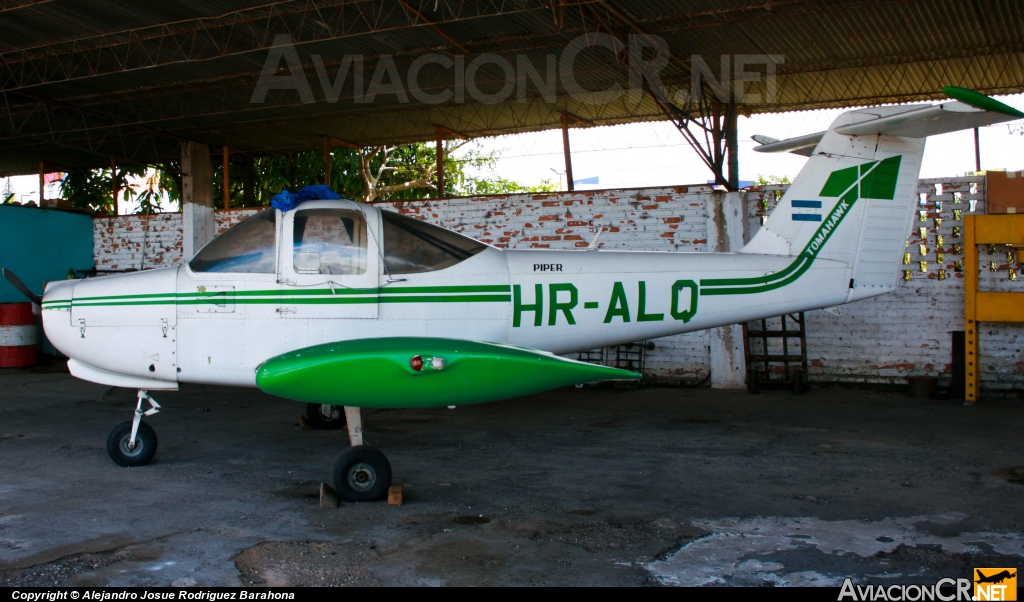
<point>342,305</point>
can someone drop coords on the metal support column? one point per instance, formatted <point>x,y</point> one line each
<point>440,162</point>
<point>291,172</point>
<point>42,186</point>
<point>114,188</point>
<point>977,151</point>
<point>327,161</point>
<point>565,150</point>
<point>226,152</point>
<point>248,182</point>
<point>732,146</point>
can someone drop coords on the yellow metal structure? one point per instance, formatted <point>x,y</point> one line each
<point>986,306</point>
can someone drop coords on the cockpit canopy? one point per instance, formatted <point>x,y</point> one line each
<point>334,241</point>
<point>247,248</point>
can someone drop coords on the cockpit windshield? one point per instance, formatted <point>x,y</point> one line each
<point>247,248</point>
<point>412,246</point>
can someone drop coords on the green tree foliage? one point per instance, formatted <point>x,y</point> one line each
<point>404,172</point>
<point>91,188</point>
<point>484,186</point>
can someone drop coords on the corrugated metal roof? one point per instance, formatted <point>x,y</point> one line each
<point>84,80</point>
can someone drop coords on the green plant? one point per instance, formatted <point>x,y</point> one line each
<point>768,180</point>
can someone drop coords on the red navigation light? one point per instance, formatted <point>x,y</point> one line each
<point>416,362</point>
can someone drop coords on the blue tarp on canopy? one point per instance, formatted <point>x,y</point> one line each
<point>286,201</point>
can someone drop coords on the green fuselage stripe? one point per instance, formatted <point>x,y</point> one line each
<point>800,265</point>
<point>804,264</point>
<point>488,293</point>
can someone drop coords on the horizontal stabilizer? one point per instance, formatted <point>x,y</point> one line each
<point>419,372</point>
<point>969,110</point>
<point>803,145</point>
<point>927,121</point>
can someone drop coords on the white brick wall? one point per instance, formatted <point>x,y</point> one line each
<point>883,340</point>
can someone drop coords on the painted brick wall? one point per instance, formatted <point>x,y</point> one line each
<point>883,340</point>
<point>132,242</point>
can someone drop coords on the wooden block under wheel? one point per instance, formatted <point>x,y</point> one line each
<point>395,494</point>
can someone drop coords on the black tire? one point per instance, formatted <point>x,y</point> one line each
<point>145,445</point>
<point>798,382</point>
<point>317,420</point>
<point>752,382</point>
<point>361,474</point>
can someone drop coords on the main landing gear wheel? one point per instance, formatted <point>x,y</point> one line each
<point>120,447</point>
<point>325,418</point>
<point>362,474</point>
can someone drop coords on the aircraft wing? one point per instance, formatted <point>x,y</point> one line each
<point>410,372</point>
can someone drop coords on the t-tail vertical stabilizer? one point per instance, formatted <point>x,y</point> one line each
<point>854,199</point>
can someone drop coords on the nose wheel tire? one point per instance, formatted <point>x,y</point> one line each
<point>123,453</point>
<point>322,421</point>
<point>362,474</point>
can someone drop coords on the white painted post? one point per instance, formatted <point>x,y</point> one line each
<point>198,225</point>
<point>726,218</point>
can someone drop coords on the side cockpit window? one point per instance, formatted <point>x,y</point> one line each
<point>412,246</point>
<point>247,248</point>
<point>329,241</point>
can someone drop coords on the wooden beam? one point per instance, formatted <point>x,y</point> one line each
<point>226,152</point>
<point>449,133</point>
<point>565,149</point>
<point>335,142</point>
<point>573,118</point>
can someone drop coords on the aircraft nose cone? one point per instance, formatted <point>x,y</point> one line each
<point>56,314</point>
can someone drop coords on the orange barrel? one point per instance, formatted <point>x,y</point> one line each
<point>18,335</point>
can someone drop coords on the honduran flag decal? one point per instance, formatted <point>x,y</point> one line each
<point>806,211</point>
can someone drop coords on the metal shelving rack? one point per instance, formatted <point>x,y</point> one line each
<point>984,306</point>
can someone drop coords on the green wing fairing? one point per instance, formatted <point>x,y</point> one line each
<point>379,373</point>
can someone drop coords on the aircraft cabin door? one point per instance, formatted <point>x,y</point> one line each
<point>329,262</point>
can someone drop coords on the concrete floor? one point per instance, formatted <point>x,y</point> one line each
<point>587,487</point>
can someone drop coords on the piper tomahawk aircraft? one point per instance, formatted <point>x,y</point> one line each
<point>342,305</point>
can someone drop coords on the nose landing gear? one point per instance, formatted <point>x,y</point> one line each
<point>361,473</point>
<point>134,443</point>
